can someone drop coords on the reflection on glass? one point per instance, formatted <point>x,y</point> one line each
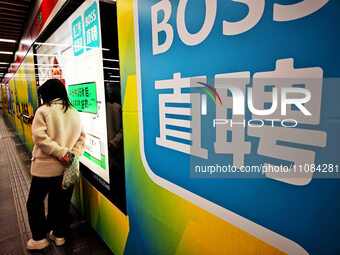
<point>115,143</point>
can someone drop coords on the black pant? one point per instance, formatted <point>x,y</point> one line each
<point>58,207</point>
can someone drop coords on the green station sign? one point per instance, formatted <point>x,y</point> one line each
<point>84,97</point>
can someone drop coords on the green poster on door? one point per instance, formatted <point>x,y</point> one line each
<point>84,97</point>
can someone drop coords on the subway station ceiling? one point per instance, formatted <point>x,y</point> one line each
<point>13,19</point>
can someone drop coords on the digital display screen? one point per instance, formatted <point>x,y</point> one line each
<point>65,55</point>
<point>73,54</point>
<point>84,97</point>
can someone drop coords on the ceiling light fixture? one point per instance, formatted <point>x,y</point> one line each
<point>7,40</point>
<point>20,54</point>
<point>6,52</point>
<point>26,42</point>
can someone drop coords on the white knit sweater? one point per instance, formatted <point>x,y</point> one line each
<point>54,133</point>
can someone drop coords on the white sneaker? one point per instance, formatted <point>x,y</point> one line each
<point>57,240</point>
<point>37,245</point>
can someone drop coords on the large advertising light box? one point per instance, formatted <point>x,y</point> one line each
<point>73,54</point>
<point>240,115</point>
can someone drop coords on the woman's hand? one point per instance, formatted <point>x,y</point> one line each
<point>30,120</point>
<point>65,160</point>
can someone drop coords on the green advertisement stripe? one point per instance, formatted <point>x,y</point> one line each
<point>96,161</point>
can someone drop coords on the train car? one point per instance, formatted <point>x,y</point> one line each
<point>212,126</point>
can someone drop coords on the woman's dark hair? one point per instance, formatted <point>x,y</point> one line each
<point>53,89</point>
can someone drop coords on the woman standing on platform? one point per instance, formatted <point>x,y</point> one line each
<point>56,129</point>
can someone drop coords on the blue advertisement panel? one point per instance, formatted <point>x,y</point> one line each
<point>240,113</point>
<point>92,26</point>
<point>77,36</point>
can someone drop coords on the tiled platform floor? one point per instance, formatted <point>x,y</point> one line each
<point>14,186</point>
